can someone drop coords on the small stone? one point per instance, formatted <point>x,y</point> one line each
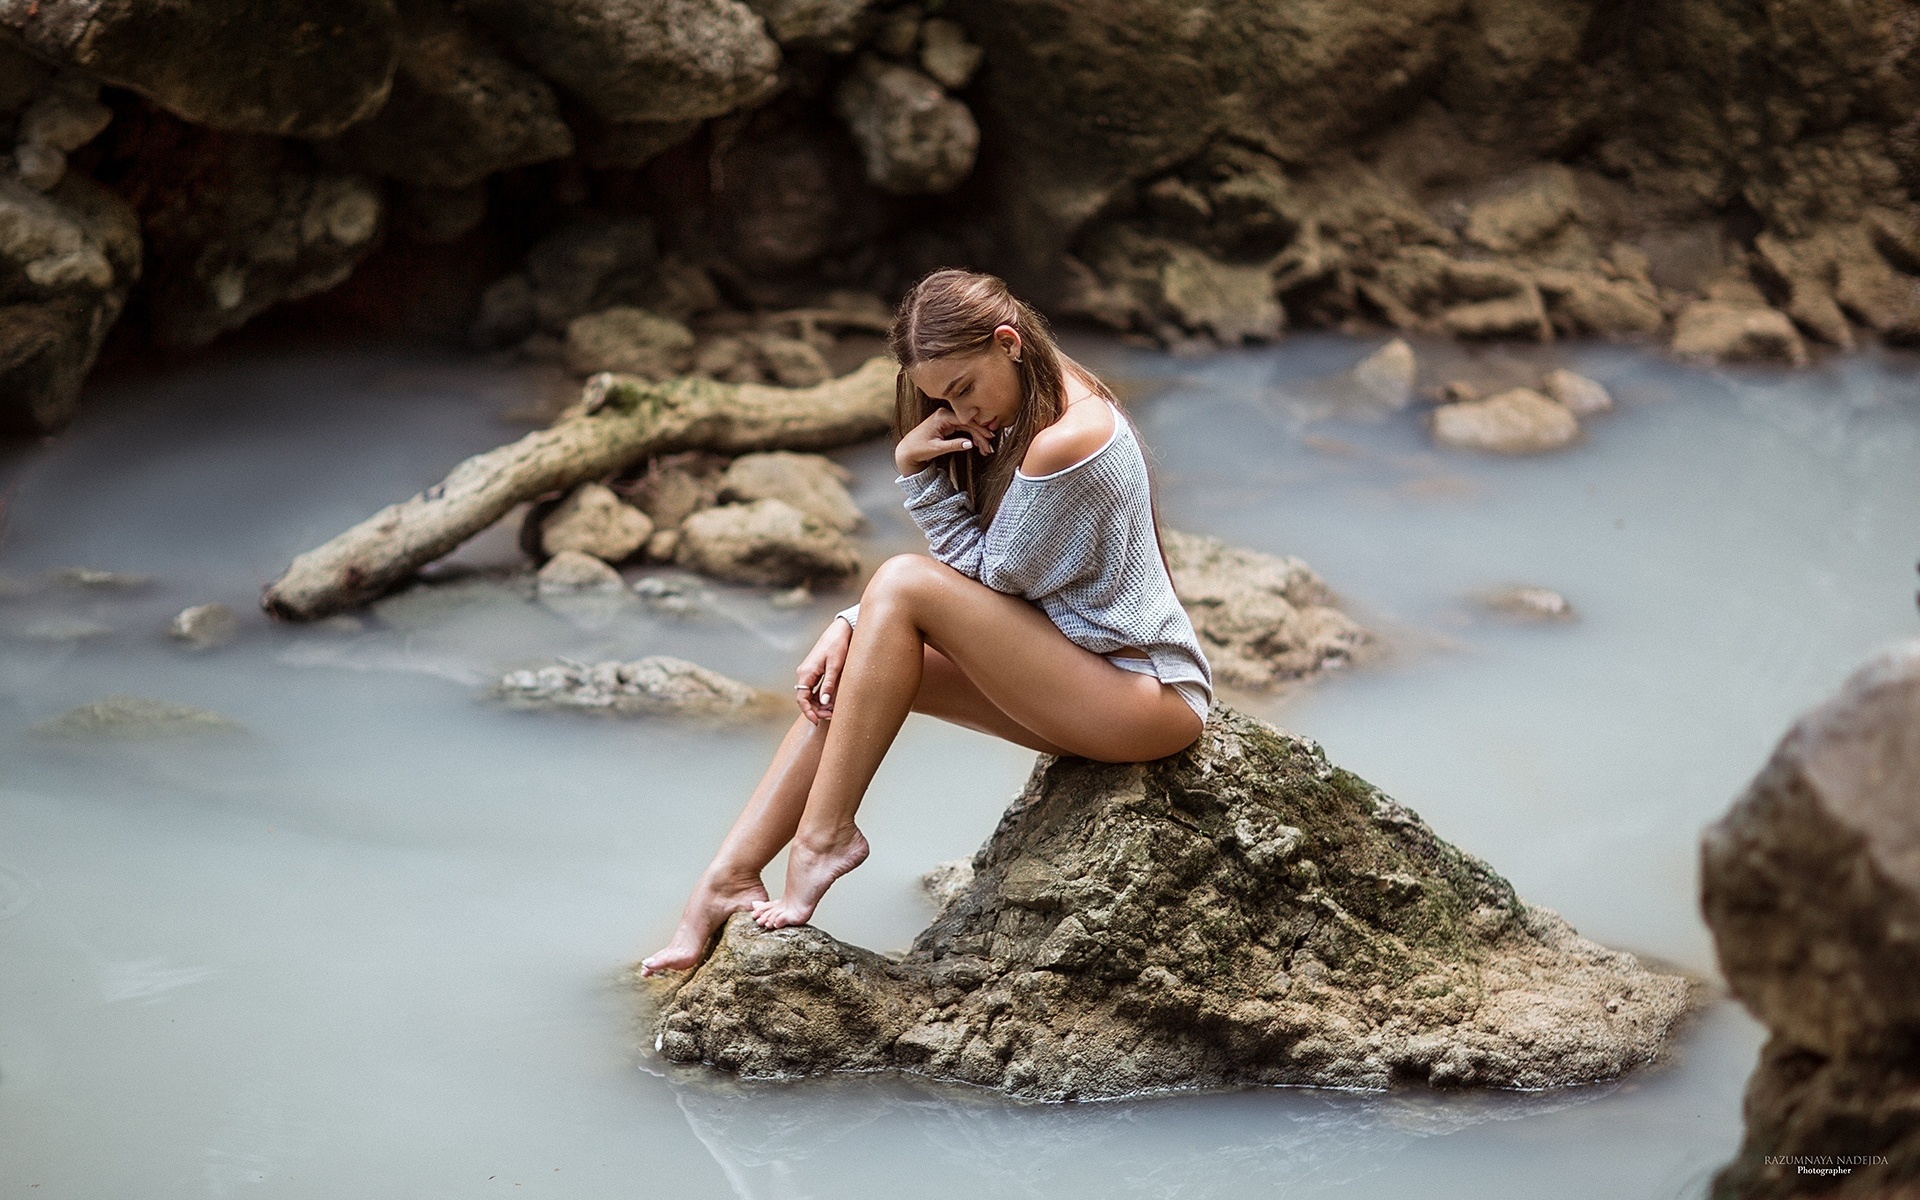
<point>1576,393</point>
<point>593,520</point>
<point>662,544</point>
<point>676,595</point>
<point>946,54</point>
<point>794,597</point>
<point>64,630</point>
<point>1723,332</point>
<point>899,33</point>
<point>39,167</point>
<point>572,571</point>
<point>131,717</point>
<point>205,626</point>
<point>63,121</point>
<point>768,543</point>
<point>677,486</point>
<point>107,581</point>
<point>1517,421</point>
<point>812,483</point>
<point>1387,374</point>
<point>792,362</point>
<point>1530,604</point>
<point>630,341</point>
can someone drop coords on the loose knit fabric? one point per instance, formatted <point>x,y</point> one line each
<point>1079,543</point>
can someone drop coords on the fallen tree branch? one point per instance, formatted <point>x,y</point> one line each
<point>618,420</point>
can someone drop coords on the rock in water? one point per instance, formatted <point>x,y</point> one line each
<point>593,520</point>
<point>1519,421</point>
<point>768,542</point>
<point>1811,885</point>
<point>650,686</point>
<point>1240,913</point>
<point>134,717</point>
<point>1262,619</point>
<point>1576,393</point>
<point>205,626</point>
<point>812,483</point>
<point>1387,374</point>
<point>1722,332</point>
<point>574,571</point>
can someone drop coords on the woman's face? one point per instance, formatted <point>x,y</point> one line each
<point>983,388</point>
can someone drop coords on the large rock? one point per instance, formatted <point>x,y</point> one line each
<point>914,138</point>
<point>1722,332</point>
<point>1263,620</point>
<point>295,68</point>
<point>1811,885</point>
<point>630,341</point>
<point>1517,421</point>
<point>236,225</point>
<point>642,60</point>
<point>1240,913</point>
<point>812,483</point>
<point>768,542</point>
<point>459,111</point>
<point>67,260</point>
<point>593,520</point>
<point>646,687</point>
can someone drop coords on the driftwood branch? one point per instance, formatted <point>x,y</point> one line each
<point>619,420</point>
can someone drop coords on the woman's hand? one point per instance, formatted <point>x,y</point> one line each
<point>819,672</point>
<point>941,434</point>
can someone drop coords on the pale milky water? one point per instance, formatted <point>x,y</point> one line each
<point>368,947</point>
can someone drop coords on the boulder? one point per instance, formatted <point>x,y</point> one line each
<point>1811,885</point>
<point>205,626</point>
<point>459,110</point>
<point>1240,913</point>
<point>236,225</point>
<point>768,542</point>
<point>676,486</point>
<point>833,26</point>
<point>68,258</point>
<point>1580,302</point>
<point>647,687</point>
<point>1263,620</point>
<point>1543,203</point>
<point>947,55</point>
<point>1387,375</point>
<point>134,718</point>
<point>571,571</point>
<point>791,362</point>
<point>594,521</point>
<point>642,60</point>
<point>629,341</point>
<point>1516,421</point>
<point>1520,315</point>
<point>1724,332</point>
<point>290,68</point>
<point>1576,393</point>
<point>812,483</point>
<point>1233,302</point>
<point>914,138</point>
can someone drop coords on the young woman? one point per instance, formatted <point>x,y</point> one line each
<point>1045,616</point>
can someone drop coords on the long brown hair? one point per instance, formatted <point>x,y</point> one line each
<point>955,312</point>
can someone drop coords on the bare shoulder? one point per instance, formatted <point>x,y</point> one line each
<point>1078,434</point>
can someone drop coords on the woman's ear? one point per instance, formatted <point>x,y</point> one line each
<point>1008,339</point>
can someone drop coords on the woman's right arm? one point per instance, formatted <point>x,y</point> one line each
<point>942,511</point>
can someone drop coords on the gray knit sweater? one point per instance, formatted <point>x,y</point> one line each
<point>1079,543</point>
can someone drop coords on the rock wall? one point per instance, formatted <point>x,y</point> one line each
<point>1733,176</point>
<point>1812,887</point>
<point>1243,912</point>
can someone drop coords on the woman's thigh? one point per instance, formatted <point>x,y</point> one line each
<point>947,693</point>
<point>1019,662</point>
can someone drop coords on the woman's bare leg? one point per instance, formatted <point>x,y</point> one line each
<point>731,882</point>
<point>1018,660</point>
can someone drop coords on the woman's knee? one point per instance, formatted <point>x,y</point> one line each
<point>902,579</point>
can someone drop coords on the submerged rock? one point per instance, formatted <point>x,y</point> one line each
<point>767,542</point>
<point>649,686</point>
<point>1517,421</point>
<point>1811,885</point>
<point>205,626</point>
<point>1387,375</point>
<point>1263,620</point>
<point>1240,913</point>
<point>1576,393</point>
<point>575,571</point>
<point>134,717</point>
<point>1529,604</point>
<point>1723,332</point>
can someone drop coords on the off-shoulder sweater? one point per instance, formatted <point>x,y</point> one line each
<point>1079,542</point>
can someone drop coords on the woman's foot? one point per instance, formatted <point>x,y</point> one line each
<point>811,869</point>
<point>712,902</point>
